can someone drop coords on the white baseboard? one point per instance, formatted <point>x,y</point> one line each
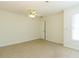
<point>13,43</point>
<point>56,42</point>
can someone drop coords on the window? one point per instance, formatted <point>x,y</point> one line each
<point>75,27</point>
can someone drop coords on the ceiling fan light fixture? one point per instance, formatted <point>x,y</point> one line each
<point>32,13</point>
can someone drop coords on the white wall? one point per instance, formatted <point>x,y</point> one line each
<point>15,28</point>
<point>54,28</point>
<point>68,41</point>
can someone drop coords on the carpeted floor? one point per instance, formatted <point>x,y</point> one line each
<point>37,49</point>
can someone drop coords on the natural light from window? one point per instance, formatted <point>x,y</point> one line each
<point>75,27</point>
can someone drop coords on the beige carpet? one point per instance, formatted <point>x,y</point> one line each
<point>37,49</point>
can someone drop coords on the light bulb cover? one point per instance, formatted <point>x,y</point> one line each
<point>32,16</point>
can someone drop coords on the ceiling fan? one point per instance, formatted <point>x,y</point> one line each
<point>33,13</point>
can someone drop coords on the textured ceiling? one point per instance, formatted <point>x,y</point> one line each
<point>43,8</point>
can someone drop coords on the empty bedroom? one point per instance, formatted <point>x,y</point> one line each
<point>39,29</point>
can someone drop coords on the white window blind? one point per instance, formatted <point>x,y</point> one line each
<point>75,27</point>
